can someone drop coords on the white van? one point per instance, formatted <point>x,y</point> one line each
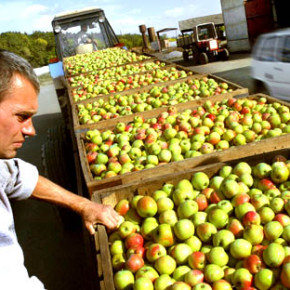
<point>271,63</point>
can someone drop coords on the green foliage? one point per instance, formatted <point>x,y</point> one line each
<point>131,40</point>
<point>38,48</point>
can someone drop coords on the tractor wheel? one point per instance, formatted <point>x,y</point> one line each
<point>224,55</point>
<point>203,58</point>
<point>195,55</point>
<point>185,55</point>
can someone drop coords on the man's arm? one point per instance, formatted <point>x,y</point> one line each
<point>90,212</point>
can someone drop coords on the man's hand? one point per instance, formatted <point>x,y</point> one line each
<point>93,213</point>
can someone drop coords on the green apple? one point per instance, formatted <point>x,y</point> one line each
<point>143,283</point>
<point>168,217</point>
<point>200,180</point>
<point>264,279</point>
<point>183,229</point>
<point>223,238</point>
<point>274,255</point>
<point>273,230</point>
<point>194,242</point>
<point>163,282</point>
<point>218,217</point>
<point>240,248</point>
<point>213,273</point>
<point>179,272</point>
<point>146,207</point>
<point>165,265</point>
<point>218,256</point>
<point>180,252</point>
<point>187,209</point>
<point>164,235</point>
<point>124,279</point>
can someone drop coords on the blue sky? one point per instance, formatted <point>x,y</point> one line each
<point>124,16</point>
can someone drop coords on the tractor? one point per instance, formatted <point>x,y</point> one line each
<point>202,43</point>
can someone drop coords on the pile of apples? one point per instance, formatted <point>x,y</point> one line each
<point>100,59</point>
<point>230,231</point>
<point>159,96</point>
<point>174,136</point>
<point>114,72</point>
<point>104,87</point>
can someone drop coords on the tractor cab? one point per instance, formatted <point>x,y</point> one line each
<point>82,31</point>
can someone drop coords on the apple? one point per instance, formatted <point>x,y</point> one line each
<point>254,234</point>
<point>242,278</point>
<point>180,252</point>
<point>126,228</point>
<point>197,260</point>
<point>136,250</point>
<point>200,180</point>
<point>240,248</point>
<point>218,217</point>
<point>187,209</point>
<point>274,255</point>
<point>163,282</point>
<point>213,273</point>
<point>199,218</point>
<point>264,279</point>
<point>221,285</point>
<point>180,285</point>
<point>146,207</point>
<point>266,214</point>
<point>124,279</point>
<point>273,230</point>
<point>148,226</point>
<point>286,233</point>
<point>155,251</point>
<point>193,277</point>
<point>251,218</point>
<point>122,207</point>
<point>134,263</point>
<point>183,229</point>
<point>218,256</point>
<point>143,283</point>
<point>164,203</point>
<point>194,242</point>
<point>165,265</point>
<point>164,235</point>
<point>132,216</point>
<point>168,217</point>
<point>223,238</point>
<point>118,261</point>
<point>205,231</point>
<point>279,172</point>
<point>285,275</point>
<point>253,263</point>
<point>229,187</point>
<point>117,247</point>
<point>180,272</point>
<point>133,240</point>
<point>202,286</point>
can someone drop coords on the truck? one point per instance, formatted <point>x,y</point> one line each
<point>202,44</point>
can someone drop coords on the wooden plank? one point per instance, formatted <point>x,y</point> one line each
<point>105,258</point>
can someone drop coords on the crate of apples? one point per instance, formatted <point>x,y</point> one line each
<point>175,136</point>
<point>224,226</point>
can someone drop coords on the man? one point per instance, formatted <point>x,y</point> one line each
<point>19,88</point>
<point>83,37</point>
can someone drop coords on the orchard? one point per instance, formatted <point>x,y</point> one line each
<point>227,231</point>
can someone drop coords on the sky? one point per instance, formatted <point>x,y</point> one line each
<point>124,16</point>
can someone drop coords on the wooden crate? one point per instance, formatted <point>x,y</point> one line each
<point>178,67</point>
<point>147,187</point>
<point>237,91</point>
<point>254,148</point>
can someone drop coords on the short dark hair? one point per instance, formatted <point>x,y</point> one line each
<point>11,63</point>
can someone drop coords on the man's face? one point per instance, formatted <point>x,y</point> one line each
<point>16,110</point>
